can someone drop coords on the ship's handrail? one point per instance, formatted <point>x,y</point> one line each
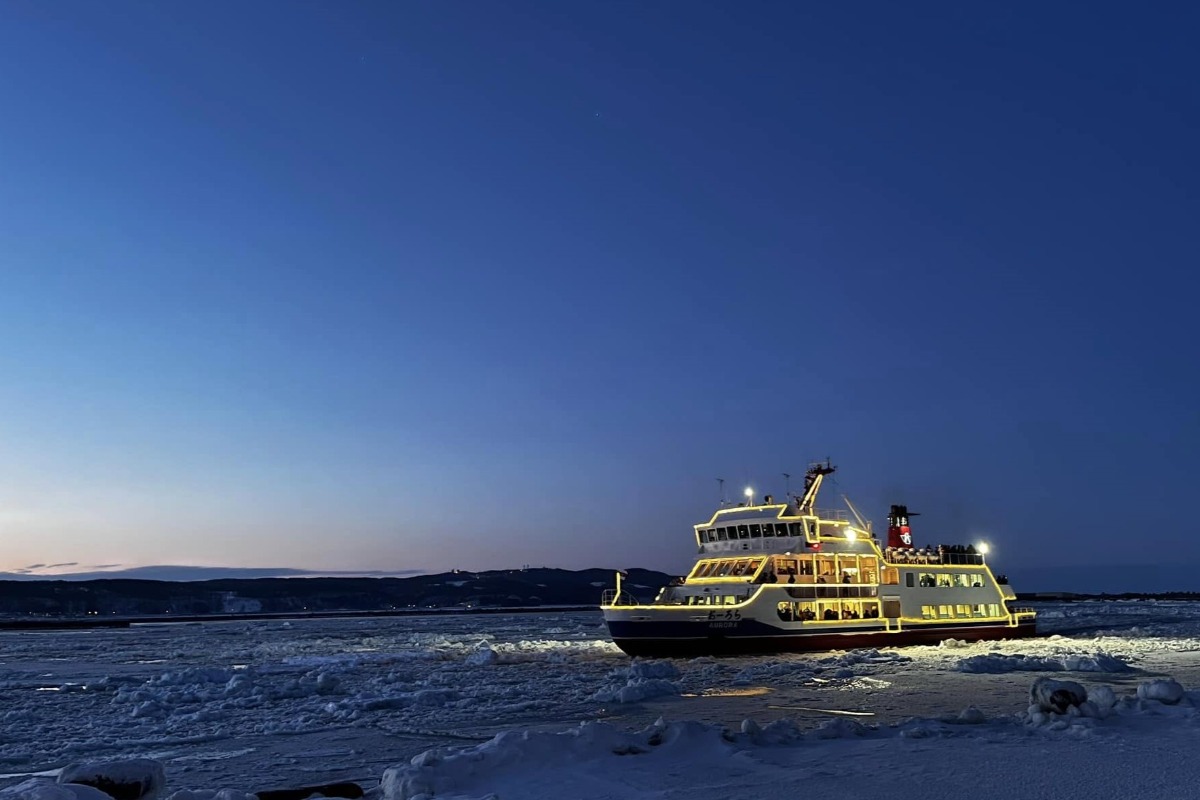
<point>1023,612</point>
<point>611,597</point>
<point>903,555</point>
<point>834,514</point>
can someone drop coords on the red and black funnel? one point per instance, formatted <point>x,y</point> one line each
<point>899,534</point>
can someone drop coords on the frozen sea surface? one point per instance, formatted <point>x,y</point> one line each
<point>271,704</point>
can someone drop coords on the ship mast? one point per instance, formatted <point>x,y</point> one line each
<point>812,484</point>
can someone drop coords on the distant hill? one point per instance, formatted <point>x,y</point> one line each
<point>130,597</point>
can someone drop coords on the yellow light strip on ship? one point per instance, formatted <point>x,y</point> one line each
<point>781,507</point>
<point>690,609</point>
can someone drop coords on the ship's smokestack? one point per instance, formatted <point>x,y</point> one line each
<point>899,534</point>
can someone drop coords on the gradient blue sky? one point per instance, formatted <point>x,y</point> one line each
<point>401,286</point>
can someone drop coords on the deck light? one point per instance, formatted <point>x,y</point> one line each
<point>851,534</point>
<point>749,494</point>
<point>983,548</point>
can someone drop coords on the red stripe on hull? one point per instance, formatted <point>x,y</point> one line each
<point>811,642</point>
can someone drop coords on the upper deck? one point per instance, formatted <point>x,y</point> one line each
<point>770,528</point>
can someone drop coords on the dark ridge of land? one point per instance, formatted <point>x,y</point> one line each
<point>117,601</point>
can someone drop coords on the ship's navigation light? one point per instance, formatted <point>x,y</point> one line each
<point>983,548</point>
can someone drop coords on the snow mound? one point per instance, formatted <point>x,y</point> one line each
<point>132,779</point>
<point>482,657</point>
<point>40,789</point>
<point>840,728</point>
<point>1049,695</point>
<point>953,644</point>
<point>996,663</point>
<point>1164,690</point>
<point>863,656</point>
<point>640,681</point>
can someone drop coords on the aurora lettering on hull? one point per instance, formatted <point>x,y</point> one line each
<point>786,577</point>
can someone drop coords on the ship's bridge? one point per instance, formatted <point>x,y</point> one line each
<point>768,528</point>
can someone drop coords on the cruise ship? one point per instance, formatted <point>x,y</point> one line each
<point>786,576</point>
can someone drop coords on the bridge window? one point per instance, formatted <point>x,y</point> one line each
<point>755,533</point>
<point>743,532</point>
<point>795,529</point>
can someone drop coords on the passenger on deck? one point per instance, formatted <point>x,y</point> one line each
<point>830,614</point>
<point>845,577</point>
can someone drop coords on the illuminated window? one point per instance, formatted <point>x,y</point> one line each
<point>976,579</point>
<point>962,611</point>
<point>961,580</point>
<point>979,610</point>
<point>927,580</point>
<point>928,612</point>
<point>993,609</point>
<point>945,612</point>
<point>943,581</point>
<point>891,576</point>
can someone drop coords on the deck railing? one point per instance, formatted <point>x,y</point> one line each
<point>903,555</point>
<point>611,597</point>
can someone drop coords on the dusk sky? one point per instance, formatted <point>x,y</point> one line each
<point>400,285</point>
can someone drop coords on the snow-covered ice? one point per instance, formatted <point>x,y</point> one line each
<point>254,706</point>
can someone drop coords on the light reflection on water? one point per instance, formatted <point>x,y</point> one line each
<point>748,691</point>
